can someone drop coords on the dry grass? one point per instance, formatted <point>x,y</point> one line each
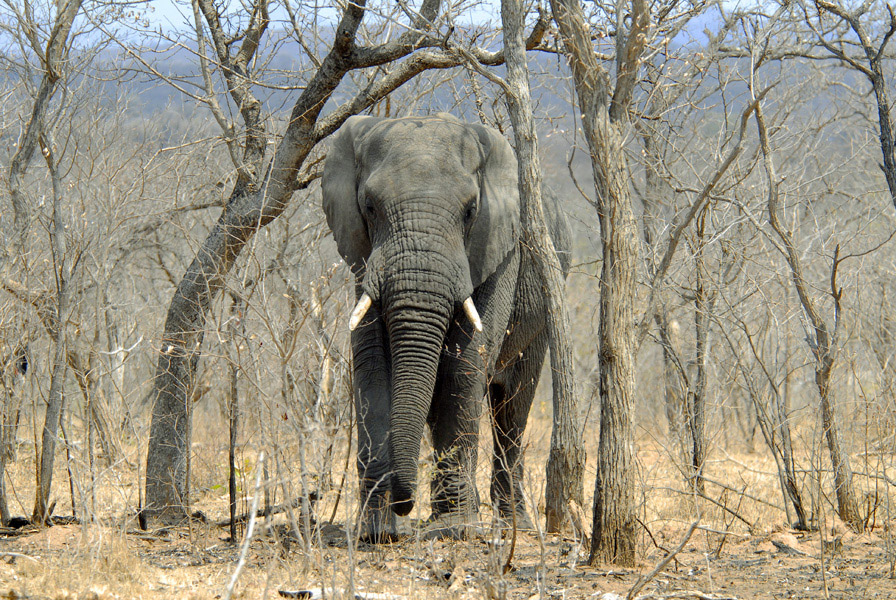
<point>110,558</point>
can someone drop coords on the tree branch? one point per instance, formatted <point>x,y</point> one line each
<point>678,230</point>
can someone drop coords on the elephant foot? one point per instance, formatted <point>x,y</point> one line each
<point>379,525</point>
<point>451,526</point>
<point>509,504</point>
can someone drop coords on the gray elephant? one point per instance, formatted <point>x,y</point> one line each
<point>426,211</point>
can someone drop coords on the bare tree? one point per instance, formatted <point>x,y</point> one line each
<point>833,36</point>
<point>825,343</point>
<point>51,50</point>
<point>567,456</point>
<point>604,110</point>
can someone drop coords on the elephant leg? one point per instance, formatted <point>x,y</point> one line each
<point>454,422</point>
<point>458,400</point>
<point>510,396</point>
<point>372,405</point>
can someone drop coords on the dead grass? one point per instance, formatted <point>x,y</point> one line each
<point>109,557</point>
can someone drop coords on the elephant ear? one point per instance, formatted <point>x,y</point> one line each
<point>340,192</point>
<point>496,230</point>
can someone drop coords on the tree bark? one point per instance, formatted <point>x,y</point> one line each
<point>566,460</point>
<point>614,536</point>
<point>697,395</point>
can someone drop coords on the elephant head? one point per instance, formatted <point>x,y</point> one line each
<point>424,210</point>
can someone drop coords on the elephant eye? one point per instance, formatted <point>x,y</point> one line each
<point>369,209</point>
<point>470,211</point>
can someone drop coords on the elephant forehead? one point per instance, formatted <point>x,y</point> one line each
<point>425,144</point>
<point>409,177</point>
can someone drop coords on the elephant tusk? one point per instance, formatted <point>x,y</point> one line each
<point>360,310</point>
<point>473,314</point>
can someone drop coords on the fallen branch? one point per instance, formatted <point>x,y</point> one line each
<point>18,555</point>
<point>662,596</point>
<point>687,594</point>
<point>262,512</point>
<point>644,580</point>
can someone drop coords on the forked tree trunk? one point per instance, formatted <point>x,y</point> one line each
<point>53,64</point>
<point>566,461</point>
<point>614,535</point>
<point>824,344</point>
<point>251,207</point>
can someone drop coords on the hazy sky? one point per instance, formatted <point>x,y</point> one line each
<point>168,12</point>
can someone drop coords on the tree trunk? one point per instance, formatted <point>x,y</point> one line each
<point>56,397</point>
<point>825,344</point>
<point>10,406</point>
<point>53,65</point>
<point>254,204</point>
<point>566,460</point>
<point>697,395</point>
<point>236,335</point>
<point>251,207</point>
<point>847,507</point>
<point>782,412</point>
<point>614,536</point>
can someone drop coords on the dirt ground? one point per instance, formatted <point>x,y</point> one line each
<point>197,561</point>
<point>742,548</point>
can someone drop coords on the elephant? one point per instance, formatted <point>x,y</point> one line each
<point>450,314</point>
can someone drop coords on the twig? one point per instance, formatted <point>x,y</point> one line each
<point>228,593</point>
<point>644,580</point>
<point>731,512</point>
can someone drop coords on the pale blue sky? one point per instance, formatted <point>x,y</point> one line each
<point>171,13</point>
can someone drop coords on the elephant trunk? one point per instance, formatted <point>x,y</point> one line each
<point>418,305</point>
